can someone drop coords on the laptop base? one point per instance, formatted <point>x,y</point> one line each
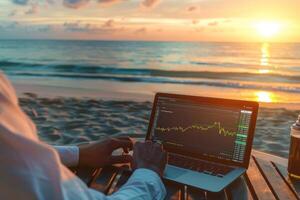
<point>201,180</point>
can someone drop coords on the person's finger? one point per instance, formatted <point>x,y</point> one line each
<point>120,159</point>
<point>121,144</point>
<point>137,145</point>
<point>157,148</point>
<point>126,150</point>
<point>165,158</point>
<point>123,138</point>
<point>148,148</point>
<point>138,149</point>
<point>127,138</point>
<point>157,145</point>
<point>148,142</point>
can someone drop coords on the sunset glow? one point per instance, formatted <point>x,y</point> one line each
<point>158,20</point>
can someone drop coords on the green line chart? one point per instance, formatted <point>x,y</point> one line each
<point>216,125</point>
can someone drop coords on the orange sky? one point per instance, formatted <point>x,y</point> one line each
<point>189,20</point>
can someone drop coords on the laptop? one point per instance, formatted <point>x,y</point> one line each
<point>208,140</point>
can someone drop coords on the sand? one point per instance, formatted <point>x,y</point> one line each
<point>70,120</point>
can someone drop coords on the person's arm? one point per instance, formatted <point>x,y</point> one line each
<point>69,155</point>
<point>143,184</point>
<point>31,169</point>
<point>95,154</point>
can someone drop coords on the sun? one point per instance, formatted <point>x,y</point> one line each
<point>263,96</point>
<point>268,29</point>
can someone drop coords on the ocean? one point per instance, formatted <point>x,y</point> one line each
<point>267,72</point>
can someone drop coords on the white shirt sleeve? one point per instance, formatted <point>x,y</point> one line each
<point>143,184</point>
<point>69,155</point>
<point>31,169</point>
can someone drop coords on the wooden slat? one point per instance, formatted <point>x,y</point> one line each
<point>264,180</point>
<point>216,196</point>
<point>239,190</point>
<point>257,183</point>
<point>86,174</point>
<point>274,180</point>
<point>124,176</point>
<point>174,191</point>
<point>195,194</point>
<point>269,157</point>
<point>293,183</point>
<point>105,179</point>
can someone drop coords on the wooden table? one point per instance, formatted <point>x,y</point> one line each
<point>266,178</point>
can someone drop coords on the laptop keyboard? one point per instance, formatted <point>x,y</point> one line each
<point>198,165</point>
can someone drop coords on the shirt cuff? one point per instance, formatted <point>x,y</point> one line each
<point>69,155</point>
<point>151,178</point>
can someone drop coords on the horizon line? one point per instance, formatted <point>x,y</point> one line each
<point>129,40</point>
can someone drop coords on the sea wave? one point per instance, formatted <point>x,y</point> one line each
<point>166,80</point>
<point>209,78</point>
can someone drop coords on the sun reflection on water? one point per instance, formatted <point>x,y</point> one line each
<point>265,53</point>
<point>264,59</point>
<point>264,71</point>
<point>263,96</point>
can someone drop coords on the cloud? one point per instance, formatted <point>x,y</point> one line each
<point>13,13</point>
<point>195,21</point>
<point>75,4</point>
<point>150,3</point>
<point>141,30</point>
<point>200,29</point>
<point>213,23</point>
<point>50,1</point>
<point>192,8</point>
<point>109,23</point>
<point>33,10</point>
<point>107,1</point>
<point>21,2</point>
<point>75,27</point>
<point>228,21</point>
<point>44,29</point>
<point>12,25</point>
<point>107,27</point>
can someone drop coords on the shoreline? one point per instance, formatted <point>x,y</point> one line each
<point>110,90</point>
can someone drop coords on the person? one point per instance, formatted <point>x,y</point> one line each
<point>32,169</point>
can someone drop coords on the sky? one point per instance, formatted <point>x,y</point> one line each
<point>158,20</point>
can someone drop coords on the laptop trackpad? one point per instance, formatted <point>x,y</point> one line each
<point>173,172</point>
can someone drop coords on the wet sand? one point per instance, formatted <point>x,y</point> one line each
<point>70,120</point>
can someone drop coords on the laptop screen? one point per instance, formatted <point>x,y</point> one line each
<point>203,128</point>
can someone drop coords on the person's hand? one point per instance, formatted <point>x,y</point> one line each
<point>149,155</point>
<point>99,154</point>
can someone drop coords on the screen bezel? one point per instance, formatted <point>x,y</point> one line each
<point>219,102</point>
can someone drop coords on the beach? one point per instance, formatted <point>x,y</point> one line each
<point>80,91</point>
<point>73,120</point>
